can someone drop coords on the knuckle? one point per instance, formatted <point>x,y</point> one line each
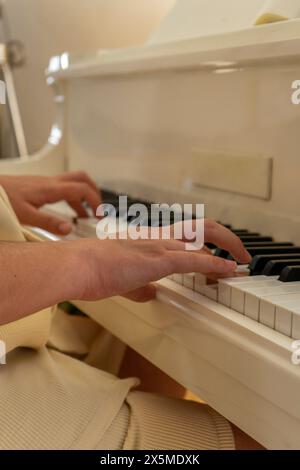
<point>81,189</point>
<point>210,224</point>
<point>82,174</point>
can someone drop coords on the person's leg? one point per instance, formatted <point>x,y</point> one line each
<point>153,380</point>
<point>243,441</point>
<point>163,423</point>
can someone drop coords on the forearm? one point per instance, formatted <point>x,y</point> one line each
<point>34,276</point>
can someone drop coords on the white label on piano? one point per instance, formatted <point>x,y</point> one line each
<point>241,172</point>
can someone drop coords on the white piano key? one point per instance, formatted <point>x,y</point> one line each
<point>188,280</point>
<point>237,300</point>
<point>252,307</point>
<point>238,292</point>
<point>88,227</point>
<point>243,269</point>
<point>225,286</point>
<point>62,209</point>
<point>267,315</point>
<point>269,304</point>
<point>296,323</point>
<point>253,295</point>
<point>210,291</point>
<point>283,321</point>
<point>178,278</point>
<point>224,294</point>
<point>200,280</point>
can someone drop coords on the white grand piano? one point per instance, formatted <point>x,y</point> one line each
<point>207,120</point>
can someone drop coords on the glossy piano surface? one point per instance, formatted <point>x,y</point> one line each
<point>207,120</point>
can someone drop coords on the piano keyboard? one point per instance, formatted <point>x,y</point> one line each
<point>263,299</point>
<point>267,291</point>
<point>269,294</point>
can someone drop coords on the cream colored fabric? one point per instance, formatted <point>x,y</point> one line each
<point>152,422</point>
<point>50,400</point>
<point>83,338</point>
<point>32,331</point>
<point>162,423</point>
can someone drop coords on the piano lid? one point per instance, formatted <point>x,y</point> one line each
<point>249,46</point>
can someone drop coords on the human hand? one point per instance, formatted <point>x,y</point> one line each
<point>128,267</point>
<point>28,194</point>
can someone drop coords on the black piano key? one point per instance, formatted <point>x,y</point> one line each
<point>211,246</point>
<point>274,250</point>
<point>259,262</point>
<point>250,246</point>
<point>107,194</point>
<point>224,225</point>
<point>275,267</point>
<point>290,274</point>
<point>267,244</point>
<point>240,232</point>
<point>222,253</point>
<point>253,238</point>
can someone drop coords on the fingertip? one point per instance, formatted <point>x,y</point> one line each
<point>65,228</point>
<point>246,258</point>
<point>221,265</point>
<point>230,265</point>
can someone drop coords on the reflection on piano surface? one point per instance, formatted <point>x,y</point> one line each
<point>206,120</point>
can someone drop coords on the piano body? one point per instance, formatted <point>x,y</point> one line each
<point>207,120</point>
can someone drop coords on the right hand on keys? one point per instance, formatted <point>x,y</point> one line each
<point>127,267</point>
<point>43,274</point>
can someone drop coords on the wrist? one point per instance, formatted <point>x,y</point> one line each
<point>78,256</point>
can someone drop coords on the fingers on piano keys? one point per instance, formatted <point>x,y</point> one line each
<point>269,294</point>
<point>269,291</point>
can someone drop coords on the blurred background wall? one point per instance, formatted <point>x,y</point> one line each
<point>50,27</point>
<point>192,18</point>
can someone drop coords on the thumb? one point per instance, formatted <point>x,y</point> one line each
<point>48,222</point>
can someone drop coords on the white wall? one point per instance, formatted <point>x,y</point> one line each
<point>49,27</point>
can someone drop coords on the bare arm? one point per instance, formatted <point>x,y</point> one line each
<point>34,276</point>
